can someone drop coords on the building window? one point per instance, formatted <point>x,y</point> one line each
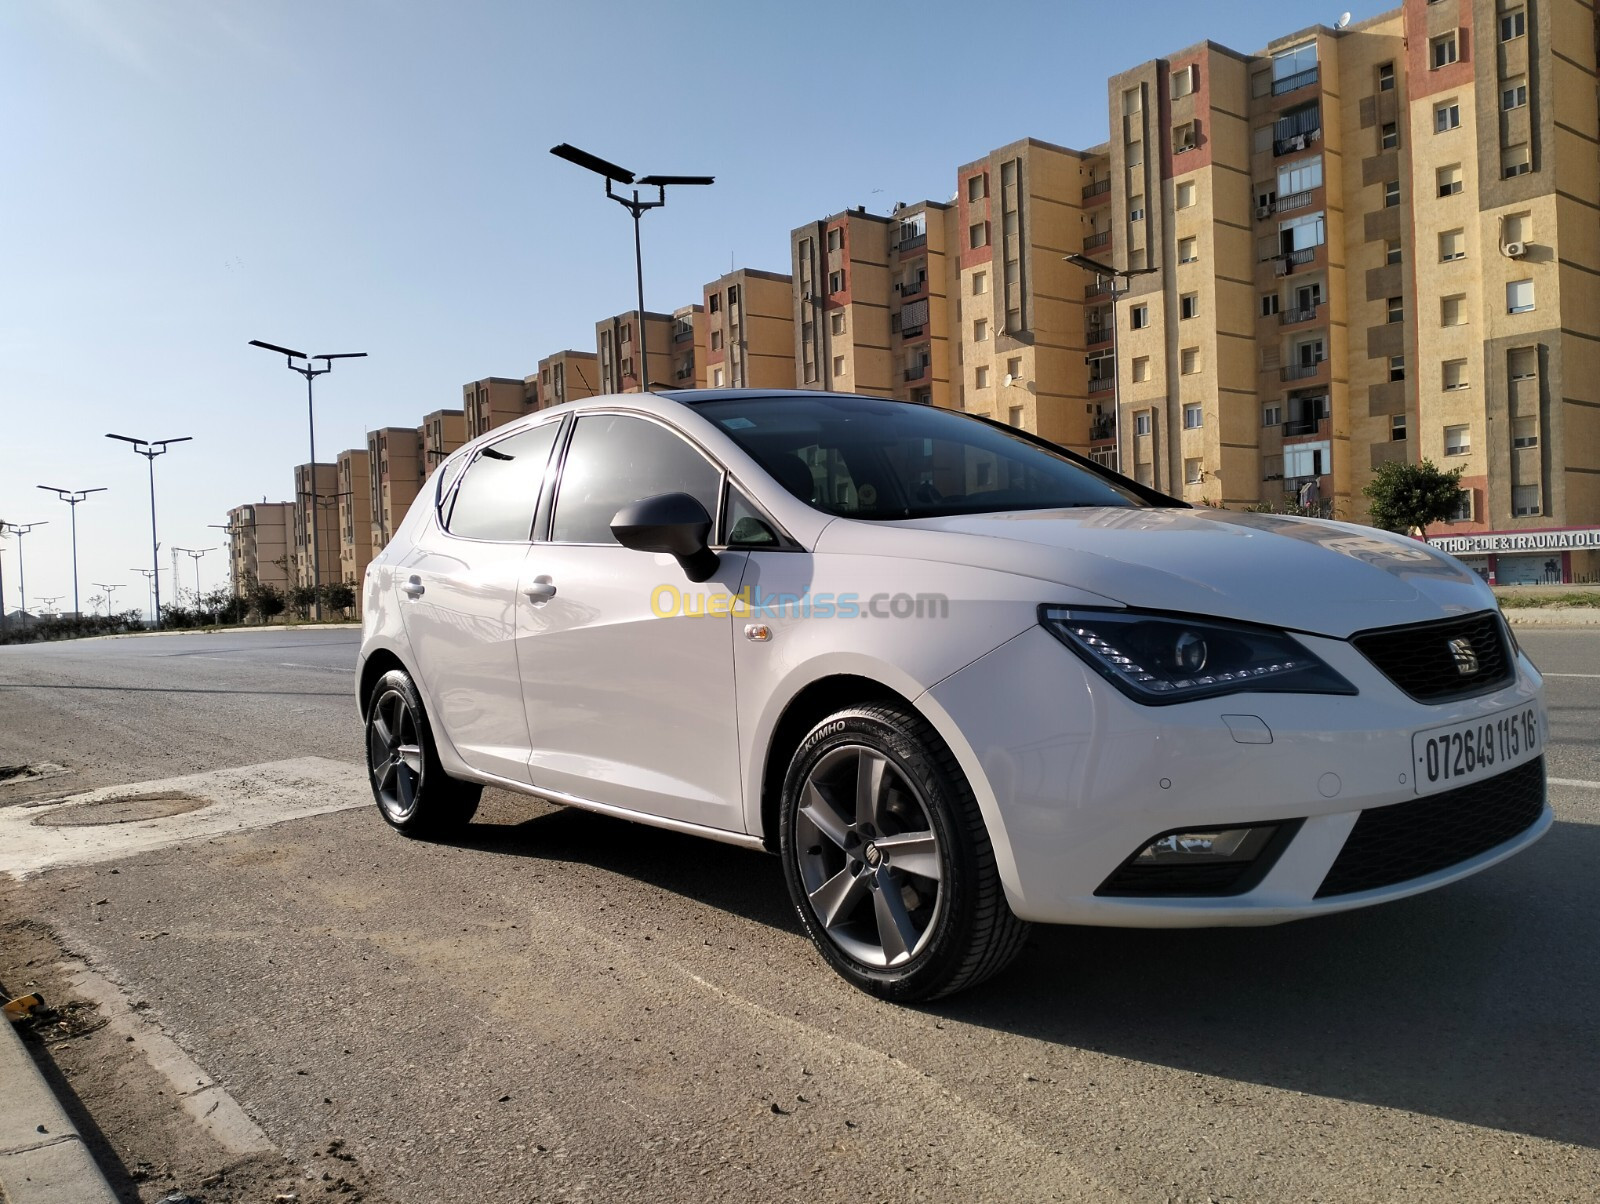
<point>1514,161</point>
<point>1189,361</point>
<point>836,321</point>
<point>1463,510</point>
<point>1453,310</point>
<point>1141,423</point>
<point>714,303</point>
<point>716,378</point>
<point>1388,136</point>
<point>1185,137</point>
<point>1397,367</point>
<point>1447,116</point>
<point>716,340</point>
<point>1518,228</point>
<point>1442,51</point>
<point>1391,194</point>
<point>1193,416</point>
<point>1300,176</point>
<point>1513,24</point>
<point>1524,500</point>
<point>980,283</point>
<point>1391,251</point>
<point>1014,367</point>
<point>1184,80</point>
<point>1138,317</point>
<point>978,235</point>
<point>1269,305</point>
<point>1519,296</point>
<point>836,238</point>
<point>1136,208</point>
<point>1141,367</point>
<point>1136,153</point>
<point>980,377</point>
<point>1185,194</point>
<point>1452,245</point>
<point>1188,250</point>
<point>1397,428</point>
<point>1189,305</point>
<point>836,281</point>
<point>1272,415</point>
<point>977,187</point>
<point>1397,309</point>
<point>838,365</point>
<point>980,331</point>
<point>1449,179</point>
<point>1522,363</point>
<point>1386,77</point>
<point>1014,417</point>
<point>1191,472</point>
<point>1514,94</point>
<point>1525,432</point>
<point>1457,440</point>
<point>1453,374</point>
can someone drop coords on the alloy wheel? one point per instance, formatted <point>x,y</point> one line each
<point>394,754</point>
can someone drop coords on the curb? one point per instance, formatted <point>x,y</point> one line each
<point>43,1159</point>
<point>1553,616</point>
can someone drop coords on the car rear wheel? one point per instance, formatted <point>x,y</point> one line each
<point>410,786</point>
<point>887,858</point>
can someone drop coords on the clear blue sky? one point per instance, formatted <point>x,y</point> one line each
<point>183,176</point>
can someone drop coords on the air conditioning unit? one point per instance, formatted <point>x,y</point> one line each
<point>1516,250</point>
<point>1263,211</point>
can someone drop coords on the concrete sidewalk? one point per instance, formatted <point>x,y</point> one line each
<point>43,1159</point>
<point>1553,616</point>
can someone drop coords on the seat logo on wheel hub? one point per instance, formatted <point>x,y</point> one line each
<point>871,855</point>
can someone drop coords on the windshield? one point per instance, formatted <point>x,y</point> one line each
<point>857,457</point>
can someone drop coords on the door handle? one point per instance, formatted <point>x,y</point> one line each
<point>414,588</point>
<point>541,591</point>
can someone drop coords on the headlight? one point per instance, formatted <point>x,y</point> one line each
<point>1158,659</point>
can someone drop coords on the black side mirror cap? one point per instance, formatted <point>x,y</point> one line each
<point>674,523</point>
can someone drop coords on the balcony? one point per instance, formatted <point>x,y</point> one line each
<point>1102,384</point>
<point>1289,260</point>
<point>1098,188</point>
<point>683,334</point>
<point>1295,143</point>
<point>1300,426</point>
<point>912,241</point>
<point>1322,507</point>
<point>1095,241</point>
<point>1102,428</point>
<point>916,372</point>
<point>1295,200</point>
<point>1098,289</point>
<point>1301,371</point>
<point>1291,316</point>
<point>911,288</point>
<point>1093,336</point>
<point>1293,83</point>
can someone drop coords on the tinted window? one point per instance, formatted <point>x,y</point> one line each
<point>861,458</point>
<point>614,460</point>
<point>747,526</point>
<point>500,489</point>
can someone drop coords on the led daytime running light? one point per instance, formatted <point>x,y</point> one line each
<point>1123,664</point>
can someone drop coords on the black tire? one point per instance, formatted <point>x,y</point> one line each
<point>410,786</point>
<point>876,914</point>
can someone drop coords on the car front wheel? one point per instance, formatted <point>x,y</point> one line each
<point>888,860</point>
<point>410,786</point>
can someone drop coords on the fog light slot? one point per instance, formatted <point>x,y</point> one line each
<point>1200,861</point>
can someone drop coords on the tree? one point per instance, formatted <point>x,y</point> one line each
<point>265,600</point>
<point>1407,497</point>
<point>338,595</point>
<point>301,597</point>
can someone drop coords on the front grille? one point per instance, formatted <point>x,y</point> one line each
<point>1435,662</point>
<point>1409,840</point>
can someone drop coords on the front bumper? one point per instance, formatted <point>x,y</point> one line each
<point>1073,777</point>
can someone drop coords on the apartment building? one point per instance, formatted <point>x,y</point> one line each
<point>750,331</point>
<point>316,516</point>
<point>355,518</point>
<point>442,432</point>
<point>258,544</point>
<point>394,458</point>
<point>568,376</point>
<point>621,353</point>
<point>495,401</point>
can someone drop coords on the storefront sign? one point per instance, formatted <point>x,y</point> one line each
<point>1519,541</point>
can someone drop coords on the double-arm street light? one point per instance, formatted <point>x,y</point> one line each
<point>151,576</point>
<point>110,589</point>
<point>194,554</point>
<point>150,449</point>
<point>311,374</point>
<point>637,207</point>
<point>19,530</point>
<point>72,497</point>
<point>1113,275</point>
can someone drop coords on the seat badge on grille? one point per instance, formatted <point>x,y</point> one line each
<point>1465,656</point>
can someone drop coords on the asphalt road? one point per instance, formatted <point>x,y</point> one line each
<point>564,1006</point>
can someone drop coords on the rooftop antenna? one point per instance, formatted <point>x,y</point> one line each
<point>1344,19</point>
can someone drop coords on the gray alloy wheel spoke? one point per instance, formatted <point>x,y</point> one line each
<point>822,813</point>
<point>411,755</point>
<point>896,932</point>
<point>386,774</point>
<point>872,771</point>
<point>838,896</point>
<point>912,853</point>
<point>380,730</point>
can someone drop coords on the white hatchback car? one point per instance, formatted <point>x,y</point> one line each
<point>956,677</point>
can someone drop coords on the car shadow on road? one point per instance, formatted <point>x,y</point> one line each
<point>1478,1003</point>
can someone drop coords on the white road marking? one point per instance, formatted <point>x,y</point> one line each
<point>325,668</point>
<point>237,800</point>
<point>1569,675</point>
<point>1574,782</point>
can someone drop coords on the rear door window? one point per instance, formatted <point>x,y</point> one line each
<point>499,491</point>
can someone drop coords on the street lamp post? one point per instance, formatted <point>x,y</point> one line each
<point>49,604</point>
<point>21,529</point>
<point>311,374</point>
<point>150,449</point>
<point>150,576</point>
<point>233,539</point>
<point>1113,275</point>
<point>72,497</point>
<point>637,207</point>
<point>194,555</point>
<point>110,589</point>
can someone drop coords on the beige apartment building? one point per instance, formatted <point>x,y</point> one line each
<point>676,343</point>
<point>495,401</point>
<point>316,514</point>
<point>394,459</point>
<point>355,519</point>
<point>442,432</point>
<point>750,331</point>
<point>258,544</point>
<point>568,376</point>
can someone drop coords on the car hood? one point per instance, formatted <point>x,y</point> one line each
<point>1310,575</point>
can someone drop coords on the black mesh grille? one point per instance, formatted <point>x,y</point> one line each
<point>1408,840</point>
<point>1428,662</point>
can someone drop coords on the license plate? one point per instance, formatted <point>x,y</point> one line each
<point>1465,752</point>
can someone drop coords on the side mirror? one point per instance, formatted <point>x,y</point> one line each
<point>675,523</point>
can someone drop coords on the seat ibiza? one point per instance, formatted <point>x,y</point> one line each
<point>957,678</point>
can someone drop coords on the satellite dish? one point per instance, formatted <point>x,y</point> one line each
<point>1009,380</point>
<point>1344,19</point>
